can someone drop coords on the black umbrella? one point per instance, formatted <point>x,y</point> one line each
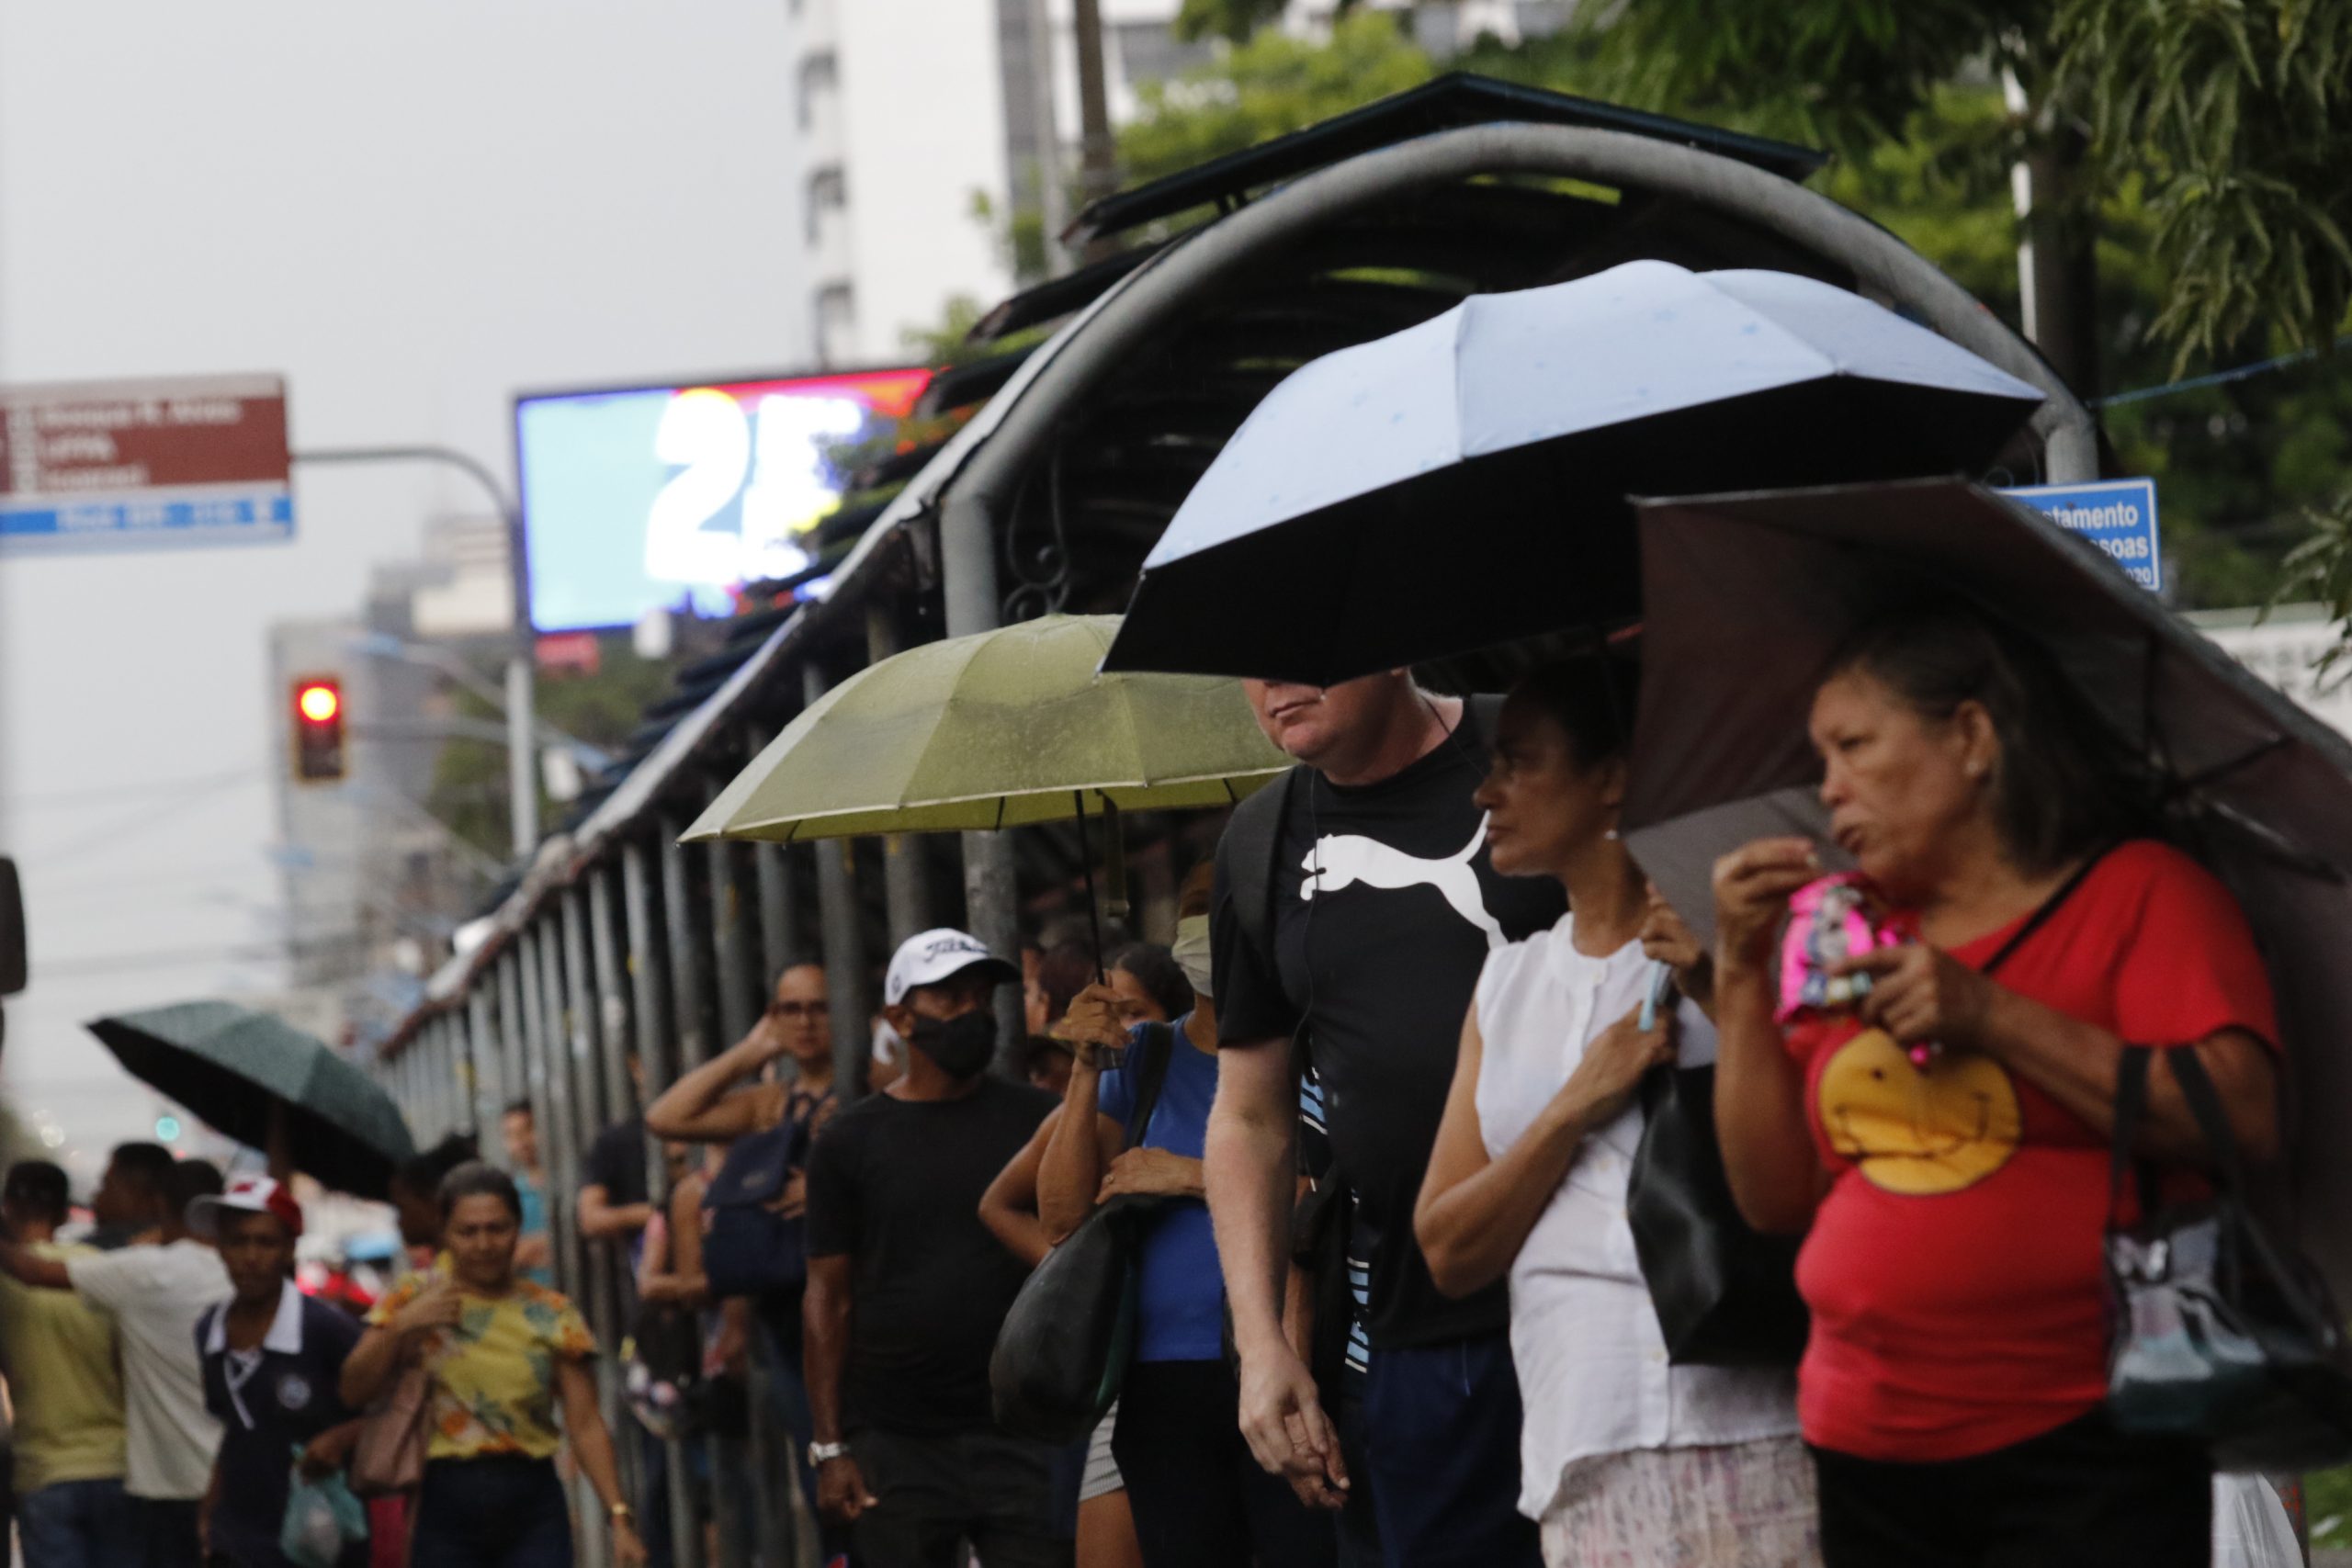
<point>265,1083</point>
<point>1749,597</point>
<point>1463,483</point>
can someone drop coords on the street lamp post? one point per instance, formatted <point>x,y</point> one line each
<point>522,767</point>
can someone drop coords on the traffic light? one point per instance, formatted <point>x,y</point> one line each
<point>318,729</point>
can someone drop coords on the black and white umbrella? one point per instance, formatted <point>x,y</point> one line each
<point>1463,482</point>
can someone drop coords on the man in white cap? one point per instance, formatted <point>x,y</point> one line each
<point>907,1289</point>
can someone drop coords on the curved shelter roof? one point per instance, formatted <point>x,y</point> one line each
<point>1074,451</point>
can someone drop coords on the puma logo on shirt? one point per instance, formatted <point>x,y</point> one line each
<point>1343,860</point>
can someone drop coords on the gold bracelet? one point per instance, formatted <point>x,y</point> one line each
<point>619,1511</point>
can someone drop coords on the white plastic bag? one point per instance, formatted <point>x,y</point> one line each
<point>2251,1529</point>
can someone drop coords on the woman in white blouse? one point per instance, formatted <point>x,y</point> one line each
<point>1624,1459</point>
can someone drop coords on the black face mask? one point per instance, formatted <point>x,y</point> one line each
<point>962,1046</point>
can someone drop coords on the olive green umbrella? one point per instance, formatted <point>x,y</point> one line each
<point>265,1083</point>
<point>1001,730</point>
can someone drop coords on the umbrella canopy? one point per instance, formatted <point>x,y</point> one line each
<point>239,1070</point>
<point>1463,483</point>
<point>1750,596</point>
<point>996,730</point>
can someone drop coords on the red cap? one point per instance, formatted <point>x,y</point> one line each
<point>246,1195</point>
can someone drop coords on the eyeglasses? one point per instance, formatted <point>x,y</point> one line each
<point>799,1009</point>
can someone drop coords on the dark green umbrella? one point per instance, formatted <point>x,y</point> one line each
<point>265,1083</point>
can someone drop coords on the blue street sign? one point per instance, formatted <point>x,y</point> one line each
<point>265,517</point>
<point>2117,516</point>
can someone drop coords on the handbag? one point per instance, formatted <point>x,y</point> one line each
<point>2220,1334</point>
<point>747,1248</point>
<point>1725,1294</point>
<point>1064,1347</point>
<point>388,1459</point>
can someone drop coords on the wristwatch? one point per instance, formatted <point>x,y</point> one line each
<point>619,1511</point>
<point>820,1452</point>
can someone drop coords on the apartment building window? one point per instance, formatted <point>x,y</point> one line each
<point>828,192</point>
<point>836,324</point>
<point>819,74</point>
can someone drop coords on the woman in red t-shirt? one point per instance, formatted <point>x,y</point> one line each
<point>1947,1148</point>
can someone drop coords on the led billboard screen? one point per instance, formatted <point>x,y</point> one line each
<point>639,499</point>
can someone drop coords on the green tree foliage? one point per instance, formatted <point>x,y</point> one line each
<point>1273,84</point>
<point>2239,112</point>
<point>2240,468</point>
<point>469,793</point>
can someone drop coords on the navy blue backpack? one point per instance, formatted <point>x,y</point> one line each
<point>747,1248</point>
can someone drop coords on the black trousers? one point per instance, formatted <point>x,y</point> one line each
<point>934,1494</point>
<point>1198,1496</point>
<point>2083,1496</point>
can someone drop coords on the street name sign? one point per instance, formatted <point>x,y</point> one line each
<point>116,464</point>
<point>2117,516</point>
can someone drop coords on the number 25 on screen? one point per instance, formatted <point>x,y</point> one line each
<point>788,488</point>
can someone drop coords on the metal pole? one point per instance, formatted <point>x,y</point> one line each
<point>688,994</point>
<point>583,1275</point>
<point>490,1068</point>
<point>607,1259</point>
<point>729,944</point>
<point>772,877</point>
<point>968,567</point>
<point>685,952</point>
<point>906,891</point>
<point>731,959</point>
<point>649,1035</point>
<point>555,1060</point>
<point>522,764</point>
<point>464,1075</point>
<point>846,991</point>
<point>521,1082</point>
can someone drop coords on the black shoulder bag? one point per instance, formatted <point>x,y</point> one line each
<point>2220,1334</point>
<point>1064,1349</point>
<point>1726,1294</point>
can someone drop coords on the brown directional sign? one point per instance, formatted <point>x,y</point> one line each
<point>171,460</point>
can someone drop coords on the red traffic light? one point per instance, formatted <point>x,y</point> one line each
<point>318,729</point>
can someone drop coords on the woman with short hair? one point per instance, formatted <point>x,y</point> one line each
<point>1945,1135</point>
<point>502,1352</point>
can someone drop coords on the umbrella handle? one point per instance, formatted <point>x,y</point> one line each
<point>279,1149</point>
<point>1086,868</point>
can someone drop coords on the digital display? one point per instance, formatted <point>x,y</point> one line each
<point>637,500</point>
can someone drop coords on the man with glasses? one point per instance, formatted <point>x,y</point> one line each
<point>742,1098</point>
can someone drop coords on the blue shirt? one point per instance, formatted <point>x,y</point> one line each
<point>1181,1294</point>
<point>533,1221</point>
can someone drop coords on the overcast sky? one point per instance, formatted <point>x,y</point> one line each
<point>410,212</point>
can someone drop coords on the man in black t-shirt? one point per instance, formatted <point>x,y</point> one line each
<point>1379,909</point>
<point>907,1289</point>
<point>614,1204</point>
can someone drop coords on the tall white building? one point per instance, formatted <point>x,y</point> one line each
<point>913,115</point>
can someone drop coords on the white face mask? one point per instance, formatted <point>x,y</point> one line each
<point>1191,952</point>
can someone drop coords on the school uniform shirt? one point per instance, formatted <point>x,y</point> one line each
<point>1592,1364</point>
<point>1954,1270</point>
<point>270,1401</point>
<point>495,1373</point>
<point>157,1294</point>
